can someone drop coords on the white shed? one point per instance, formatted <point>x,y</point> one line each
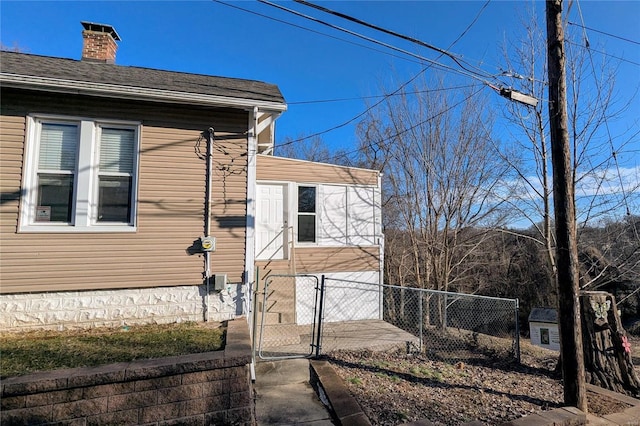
<point>543,328</point>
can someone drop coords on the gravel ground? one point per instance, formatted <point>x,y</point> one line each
<point>393,387</point>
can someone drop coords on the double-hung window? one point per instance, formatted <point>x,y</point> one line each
<point>79,175</point>
<point>56,175</point>
<point>307,214</point>
<point>115,174</point>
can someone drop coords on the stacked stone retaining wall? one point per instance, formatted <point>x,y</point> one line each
<point>197,389</point>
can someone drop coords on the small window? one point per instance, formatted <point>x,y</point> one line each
<point>544,336</point>
<point>306,214</point>
<point>80,175</point>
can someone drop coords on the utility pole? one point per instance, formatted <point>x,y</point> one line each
<point>569,326</point>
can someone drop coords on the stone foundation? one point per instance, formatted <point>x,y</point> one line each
<point>116,308</point>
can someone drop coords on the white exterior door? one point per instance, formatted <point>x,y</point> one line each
<point>271,225</point>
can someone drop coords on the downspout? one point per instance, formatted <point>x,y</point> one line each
<point>250,283</point>
<point>207,220</point>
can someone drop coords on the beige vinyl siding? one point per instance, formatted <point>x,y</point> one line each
<point>316,260</point>
<point>339,259</point>
<point>171,189</point>
<point>286,169</point>
<point>12,131</point>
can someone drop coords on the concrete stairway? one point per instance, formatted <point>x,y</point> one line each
<point>279,311</point>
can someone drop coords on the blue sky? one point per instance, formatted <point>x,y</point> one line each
<point>211,38</point>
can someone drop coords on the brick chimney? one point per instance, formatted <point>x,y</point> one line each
<point>99,43</point>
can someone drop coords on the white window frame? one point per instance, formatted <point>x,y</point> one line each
<point>298,213</point>
<point>85,189</point>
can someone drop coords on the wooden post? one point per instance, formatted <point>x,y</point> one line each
<point>569,324</point>
<point>607,352</point>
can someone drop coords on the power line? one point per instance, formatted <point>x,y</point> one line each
<point>471,24</point>
<point>416,92</point>
<point>429,61</point>
<point>602,32</point>
<point>455,58</point>
<point>606,124</point>
<point>314,31</point>
<point>389,46</point>
<point>602,53</point>
<point>391,138</point>
<point>351,120</point>
<point>404,58</point>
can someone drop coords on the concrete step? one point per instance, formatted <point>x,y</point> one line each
<point>287,318</point>
<point>280,302</point>
<point>280,335</point>
<point>598,421</point>
<point>277,304</point>
<point>278,313</point>
<point>629,417</point>
<point>280,305</point>
<point>270,318</point>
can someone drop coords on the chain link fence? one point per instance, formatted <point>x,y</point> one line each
<point>306,316</point>
<point>443,325</point>
<point>455,326</point>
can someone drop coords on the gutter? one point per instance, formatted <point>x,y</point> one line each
<point>135,93</point>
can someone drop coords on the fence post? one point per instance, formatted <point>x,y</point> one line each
<point>517,342</point>
<point>420,319</point>
<point>444,320</point>
<point>254,323</point>
<point>320,317</point>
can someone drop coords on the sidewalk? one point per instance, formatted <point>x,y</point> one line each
<point>285,397</point>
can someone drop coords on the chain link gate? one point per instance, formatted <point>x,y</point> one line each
<point>286,316</point>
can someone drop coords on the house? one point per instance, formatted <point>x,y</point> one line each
<point>335,230</point>
<point>134,195</point>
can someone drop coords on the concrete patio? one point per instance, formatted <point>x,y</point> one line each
<point>296,340</point>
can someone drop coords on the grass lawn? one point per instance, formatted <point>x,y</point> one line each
<point>31,351</point>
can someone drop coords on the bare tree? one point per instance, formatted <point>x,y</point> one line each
<point>592,104</point>
<point>440,182</point>
<point>312,149</point>
<point>15,47</point>
<point>579,113</point>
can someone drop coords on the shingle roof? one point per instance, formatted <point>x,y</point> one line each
<point>92,72</point>
<point>548,315</point>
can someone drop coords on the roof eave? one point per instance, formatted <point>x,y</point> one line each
<point>134,93</point>
<point>298,160</point>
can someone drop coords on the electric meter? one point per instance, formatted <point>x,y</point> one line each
<point>208,243</point>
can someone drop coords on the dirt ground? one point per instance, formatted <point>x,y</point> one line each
<point>394,388</point>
